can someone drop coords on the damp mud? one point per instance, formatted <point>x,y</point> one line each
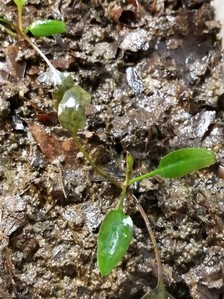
<point>155,71</point>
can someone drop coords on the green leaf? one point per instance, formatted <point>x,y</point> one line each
<point>159,292</point>
<point>113,241</point>
<point>71,109</point>
<point>46,28</point>
<point>179,163</point>
<point>20,3</point>
<point>183,161</point>
<point>60,90</point>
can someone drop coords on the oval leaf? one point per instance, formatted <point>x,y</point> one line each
<point>71,109</point>
<point>183,161</point>
<point>46,28</point>
<point>113,241</point>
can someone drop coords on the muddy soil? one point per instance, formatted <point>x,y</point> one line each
<point>156,75</point>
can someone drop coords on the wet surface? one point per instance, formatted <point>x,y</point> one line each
<point>155,72</point>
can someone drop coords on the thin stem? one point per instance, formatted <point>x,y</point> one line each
<point>129,168</point>
<point>142,177</point>
<point>57,76</point>
<point>122,196</point>
<point>152,237</point>
<point>97,169</point>
<point>53,69</point>
<point>61,181</point>
<point>20,18</point>
<point>10,32</point>
<point>2,20</point>
<point>55,72</point>
<point>75,138</point>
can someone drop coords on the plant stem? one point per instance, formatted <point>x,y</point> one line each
<point>152,237</point>
<point>142,177</point>
<point>97,169</point>
<point>129,168</point>
<point>10,32</point>
<point>122,196</point>
<point>2,20</point>
<point>20,18</point>
<point>57,75</point>
<point>75,138</point>
<point>53,69</point>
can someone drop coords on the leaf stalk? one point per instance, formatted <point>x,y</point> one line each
<point>142,177</point>
<point>153,239</point>
<point>129,169</point>
<point>98,170</point>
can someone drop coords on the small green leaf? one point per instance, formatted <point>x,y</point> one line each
<point>71,109</point>
<point>46,28</point>
<point>20,3</point>
<point>113,241</point>
<point>183,161</point>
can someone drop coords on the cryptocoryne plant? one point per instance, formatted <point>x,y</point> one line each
<point>38,28</point>
<point>116,230</point>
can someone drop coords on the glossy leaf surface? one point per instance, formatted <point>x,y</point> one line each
<point>113,241</point>
<point>71,109</point>
<point>46,28</point>
<point>183,161</point>
<point>60,90</point>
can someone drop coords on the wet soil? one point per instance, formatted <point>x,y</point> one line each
<point>155,72</point>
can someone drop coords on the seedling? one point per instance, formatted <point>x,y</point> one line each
<point>37,28</point>
<point>117,228</point>
<point>70,101</point>
<point>175,164</point>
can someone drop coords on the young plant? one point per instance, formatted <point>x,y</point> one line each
<point>117,228</point>
<point>173,165</point>
<point>37,28</point>
<point>70,100</point>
